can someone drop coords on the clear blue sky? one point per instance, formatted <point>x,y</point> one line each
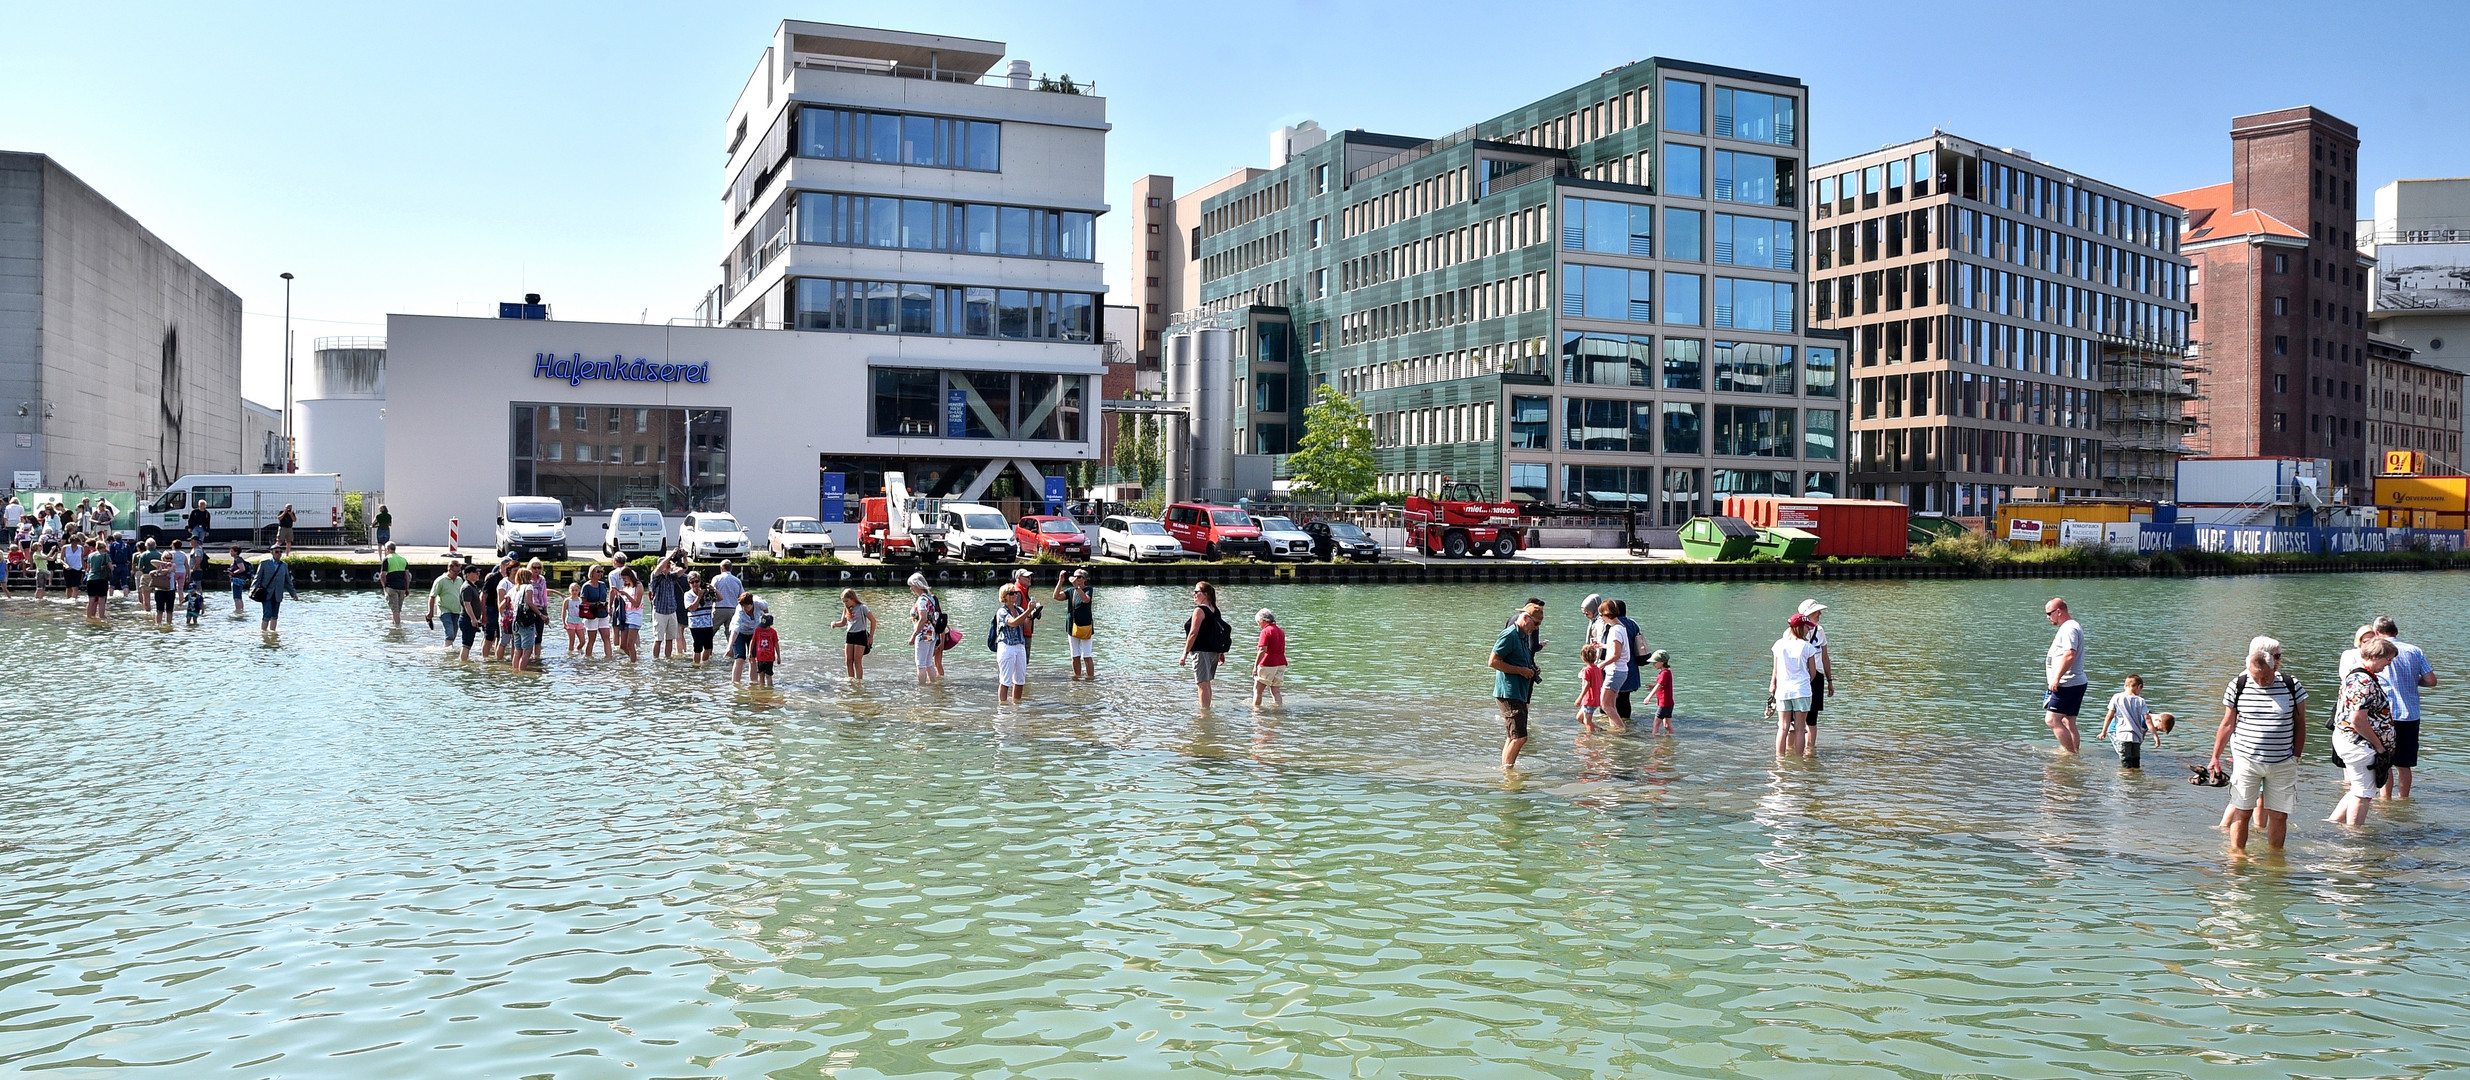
<point>439,158</point>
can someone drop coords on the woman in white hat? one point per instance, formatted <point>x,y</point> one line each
<point>1822,685</point>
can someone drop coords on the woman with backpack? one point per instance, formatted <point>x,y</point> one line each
<point>1207,638</point>
<point>269,584</point>
<point>925,630</point>
<point>530,616</point>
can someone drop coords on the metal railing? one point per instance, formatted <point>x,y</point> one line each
<point>1055,84</point>
<point>1515,177</point>
<point>325,343</point>
<point>1412,154</point>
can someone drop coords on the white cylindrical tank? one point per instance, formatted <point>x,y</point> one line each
<point>342,420</point>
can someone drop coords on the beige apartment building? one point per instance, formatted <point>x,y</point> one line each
<point>2412,405</point>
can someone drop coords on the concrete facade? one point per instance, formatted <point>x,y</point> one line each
<point>119,358</point>
<point>2412,406</point>
<point>342,422</point>
<point>2420,295</point>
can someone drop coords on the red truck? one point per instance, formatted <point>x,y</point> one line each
<point>1461,521</point>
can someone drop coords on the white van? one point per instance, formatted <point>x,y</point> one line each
<point>245,506</point>
<point>972,531</point>
<point>635,530</point>
<point>529,525</point>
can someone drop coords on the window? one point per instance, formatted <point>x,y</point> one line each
<point>1615,228</point>
<point>1823,483</point>
<point>1681,228</point>
<point>1818,438</point>
<point>1530,423</point>
<point>898,139</point>
<point>886,307</point>
<point>1607,484</point>
<point>1752,482</point>
<point>1320,284</point>
<point>676,459</point>
<point>1754,178</point>
<point>1756,117</point>
<point>1754,305</point>
<point>1606,292</point>
<point>1683,428</point>
<point>1682,306</point>
<point>1595,424</point>
<point>2281,345</point>
<point>2281,305</point>
<point>2281,384</point>
<point>1752,368</point>
<point>911,403</point>
<point>1529,479</point>
<point>1685,106</point>
<point>2281,264</point>
<point>1606,359</point>
<point>1766,243</point>
<point>1320,179</point>
<point>1318,334</point>
<point>1818,372</point>
<point>1685,170</point>
<point>1753,431</point>
<point>933,225</point>
<point>1319,230</point>
<point>1684,363</point>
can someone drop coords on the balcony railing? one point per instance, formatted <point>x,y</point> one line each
<point>850,65</point>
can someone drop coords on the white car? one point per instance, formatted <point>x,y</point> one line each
<point>1137,539</point>
<point>712,536</point>
<point>1285,539</point>
<point>635,530</point>
<point>973,531</point>
<point>795,537</point>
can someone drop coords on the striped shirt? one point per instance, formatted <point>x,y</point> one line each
<point>2267,730</point>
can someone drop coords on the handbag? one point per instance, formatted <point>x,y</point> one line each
<point>1084,631</point>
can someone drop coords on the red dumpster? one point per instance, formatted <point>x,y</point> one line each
<point>1846,528</point>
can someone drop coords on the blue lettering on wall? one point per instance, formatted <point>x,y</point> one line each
<point>576,370</point>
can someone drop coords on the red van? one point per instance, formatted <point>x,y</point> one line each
<point>1215,531</point>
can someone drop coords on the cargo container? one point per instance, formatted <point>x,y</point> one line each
<point>1846,528</point>
<point>2054,516</point>
<point>2254,481</point>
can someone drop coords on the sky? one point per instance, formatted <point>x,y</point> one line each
<point>440,158</point>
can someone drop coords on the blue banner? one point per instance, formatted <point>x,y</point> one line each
<point>834,505</point>
<point>1054,495</point>
<point>956,414</point>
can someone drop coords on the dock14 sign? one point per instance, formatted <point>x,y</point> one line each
<point>576,370</point>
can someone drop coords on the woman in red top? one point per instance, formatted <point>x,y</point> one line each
<point>1663,691</point>
<point>1269,661</point>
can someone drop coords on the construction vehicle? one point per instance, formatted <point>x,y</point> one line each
<point>900,527</point>
<point>1461,521</point>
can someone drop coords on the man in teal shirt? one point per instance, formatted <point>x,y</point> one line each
<point>1513,681</point>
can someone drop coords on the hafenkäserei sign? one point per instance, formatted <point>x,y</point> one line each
<point>576,370</point>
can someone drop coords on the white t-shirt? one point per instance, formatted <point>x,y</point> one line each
<point>14,513</point>
<point>2070,639</point>
<point>1614,640</point>
<point>2127,718</point>
<point>1793,657</point>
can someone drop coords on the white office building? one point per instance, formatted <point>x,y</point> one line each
<point>907,284</point>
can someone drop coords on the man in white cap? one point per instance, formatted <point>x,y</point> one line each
<point>1822,684</point>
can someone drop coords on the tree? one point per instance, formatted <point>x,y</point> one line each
<point>1138,457</point>
<point>1335,455</point>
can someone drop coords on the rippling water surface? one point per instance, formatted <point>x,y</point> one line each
<point>350,855</point>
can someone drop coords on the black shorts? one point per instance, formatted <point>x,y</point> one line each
<point>163,601</point>
<point>703,637</point>
<point>1663,712</point>
<point>857,639</point>
<point>763,667</point>
<point>2405,744</point>
<point>488,624</point>
<point>1513,717</point>
<point>1818,696</point>
<point>2066,701</point>
<point>96,587</point>
<point>2130,755</point>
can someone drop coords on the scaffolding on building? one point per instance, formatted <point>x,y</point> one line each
<point>2152,404</point>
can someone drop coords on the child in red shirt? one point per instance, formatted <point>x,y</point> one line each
<point>1663,691</point>
<point>766,649</point>
<point>1591,686</point>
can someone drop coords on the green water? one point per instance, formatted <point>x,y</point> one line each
<point>351,856</point>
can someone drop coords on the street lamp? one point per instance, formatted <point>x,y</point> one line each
<point>290,458</point>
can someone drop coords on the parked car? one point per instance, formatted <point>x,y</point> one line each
<point>797,537</point>
<point>1333,540</point>
<point>1215,531</point>
<point>1137,539</point>
<point>975,531</point>
<point>1041,532</point>
<point>1284,539</point>
<point>712,536</point>
<point>530,525</point>
<point>634,530</point>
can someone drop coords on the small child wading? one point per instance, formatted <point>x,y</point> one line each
<point>1591,686</point>
<point>765,645</point>
<point>1663,692</point>
<point>2125,723</point>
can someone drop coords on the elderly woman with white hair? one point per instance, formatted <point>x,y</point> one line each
<point>2264,727</point>
<point>925,637</point>
<point>2363,729</point>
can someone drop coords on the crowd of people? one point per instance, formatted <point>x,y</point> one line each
<point>75,551</point>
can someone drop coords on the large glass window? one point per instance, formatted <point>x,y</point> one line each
<point>1818,371</point>
<point>596,457</point>
<point>1611,485</point>
<point>1682,306</point>
<point>1596,424</point>
<point>1823,483</point>
<point>892,307</point>
<point>1683,495</point>
<point>1754,305</point>
<point>1269,391</point>
<point>933,225</point>
<point>1685,170</point>
<point>1530,423</point>
<point>1607,292</point>
<point>908,403</point>
<point>1681,229</point>
<point>1757,117</point>
<point>1754,241</point>
<point>1753,431</point>
<point>1684,427</point>
<point>898,139</point>
<point>1615,228</point>
<point>1606,359</point>
<point>1685,106</point>
<point>1755,178</point>
<point>912,403</point>
<point>1752,482</point>
<point>1684,363</point>
<point>1818,436</point>
<point>1530,478</point>
<point>1747,367</point>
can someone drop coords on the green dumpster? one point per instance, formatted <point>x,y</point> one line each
<point>1925,527</point>
<point>1788,545</point>
<point>1718,539</point>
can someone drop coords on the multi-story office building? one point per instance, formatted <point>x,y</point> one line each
<point>119,358</point>
<point>909,285</point>
<point>2412,405</point>
<point>2419,295</point>
<point>2013,324</point>
<point>1593,296</point>
<point>1163,235</point>
<point>2280,294</point>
